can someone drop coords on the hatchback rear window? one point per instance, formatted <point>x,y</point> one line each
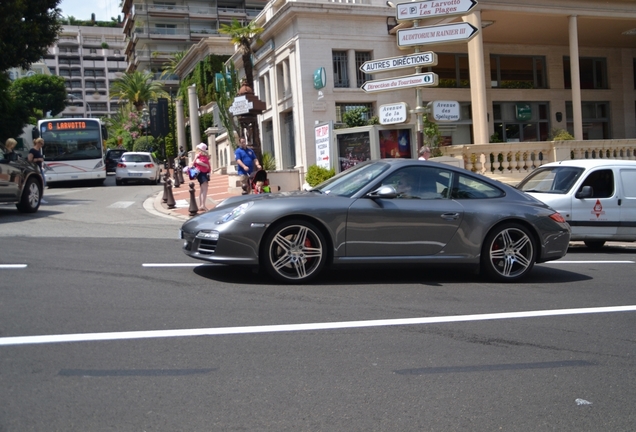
<point>135,158</point>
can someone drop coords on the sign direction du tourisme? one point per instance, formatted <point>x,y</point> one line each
<point>402,62</point>
<point>432,8</point>
<point>428,79</point>
<point>240,106</point>
<point>437,34</point>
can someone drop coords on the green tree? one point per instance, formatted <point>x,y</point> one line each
<point>27,29</point>
<point>137,88</point>
<point>41,94</point>
<point>355,117</point>
<point>14,112</point>
<point>224,96</point>
<point>244,36</point>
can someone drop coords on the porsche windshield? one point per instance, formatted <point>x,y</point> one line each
<point>352,180</point>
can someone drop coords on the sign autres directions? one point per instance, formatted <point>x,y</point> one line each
<point>402,62</point>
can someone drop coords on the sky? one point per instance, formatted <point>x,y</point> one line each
<point>82,9</point>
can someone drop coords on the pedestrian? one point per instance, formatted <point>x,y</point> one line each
<point>202,163</point>
<point>182,157</point>
<point>11,155</point>
<point>35,155</point>
<point>246,160</point>
<point>425,153</point>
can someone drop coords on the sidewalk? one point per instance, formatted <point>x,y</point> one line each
<point>217,190</point>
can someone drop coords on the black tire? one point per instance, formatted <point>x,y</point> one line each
<point>294,251</point>
<point>508,253</point>
<point>118,182</point>
<point>31,196</point>
<point>594,244</point>
<point>158,179</point>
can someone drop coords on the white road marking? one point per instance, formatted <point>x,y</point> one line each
<point>172,265</point>
<point>121,204</point>
<point>589,262</point>
<point>12,266</point>
<point>151,334</point>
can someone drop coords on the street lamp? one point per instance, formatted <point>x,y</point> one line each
<point>86,105</point>
<point>145,117</point>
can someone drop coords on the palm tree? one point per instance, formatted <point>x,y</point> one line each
<point>170,67</point>
<point>137,88</point>
<point>244,36</point>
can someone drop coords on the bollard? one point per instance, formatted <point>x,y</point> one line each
<point>177,183</point>
<point>193,209</point>
<point>164,198</point>
<point>171,202</point>
<point>180,171</point>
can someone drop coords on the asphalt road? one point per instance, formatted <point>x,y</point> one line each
<point>166,344</point>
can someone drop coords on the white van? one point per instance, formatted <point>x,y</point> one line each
<point>596,196</point>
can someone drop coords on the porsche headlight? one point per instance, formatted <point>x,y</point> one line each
<point>235,212</point>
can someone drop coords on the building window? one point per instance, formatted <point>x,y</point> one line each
<point>595,117</point>
<point>452,70</point>
<point>592,72</point>
<point>166,29</point>
<point>342,108</point>
<point>525,72</point>
<point>521,121</point>
<point>361,58</point>
<point>340,75</point>
<point>289,151</point>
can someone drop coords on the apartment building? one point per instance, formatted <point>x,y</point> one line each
<point>89,59</point>
<point>156,30</point>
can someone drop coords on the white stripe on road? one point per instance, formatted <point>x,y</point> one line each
<point>589,262</point>
<point>89,337</point>
<point>172,265</point>
<point>12,266</point>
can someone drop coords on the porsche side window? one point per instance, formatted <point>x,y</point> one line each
<point>472,188</point>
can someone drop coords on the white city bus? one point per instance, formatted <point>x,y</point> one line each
<point>73,149</point>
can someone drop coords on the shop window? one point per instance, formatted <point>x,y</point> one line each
<point>518,72</point>
<point>521,121</point>
<point>596,121</point>
<point>592,73</point>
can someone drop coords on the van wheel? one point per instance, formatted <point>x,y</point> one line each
<point>594,244</point>
<point>31,197</point>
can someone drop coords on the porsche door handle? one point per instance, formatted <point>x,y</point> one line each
<point>450,216</point>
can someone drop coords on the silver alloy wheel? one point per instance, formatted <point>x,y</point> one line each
<point>511,253</point>
<point>295,252</point>
<point>34,195</point>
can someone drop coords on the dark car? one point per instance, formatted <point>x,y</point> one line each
<point>382,212</point>
<point>111,158</point>
<point>20,182</point>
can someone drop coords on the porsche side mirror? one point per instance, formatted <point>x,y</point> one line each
<point>383,192</point>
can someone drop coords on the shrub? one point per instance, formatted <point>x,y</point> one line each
<point>560,135</point>
<point>316,175</point>
<point>268,163</point>
<point>144,144</point>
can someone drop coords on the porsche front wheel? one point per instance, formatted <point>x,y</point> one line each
<point>294,251</point>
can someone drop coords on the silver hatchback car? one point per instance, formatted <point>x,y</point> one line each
<point>384,211</point>
<point>137,167</point>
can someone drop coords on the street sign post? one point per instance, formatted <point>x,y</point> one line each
<point>432,8</point>
<point>394,113</point>
<point>428,79</point>
<point>443,111</point>
<point>240,106</point>
<point>437,34</point>
<point>402,62</point>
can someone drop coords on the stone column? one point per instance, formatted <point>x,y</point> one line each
<point>575,77</point>
<point>193,104</point>
<point>479,101</point>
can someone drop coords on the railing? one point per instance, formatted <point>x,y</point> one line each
<point>515,160</point>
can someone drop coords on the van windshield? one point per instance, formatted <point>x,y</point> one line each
<point>555,180</point>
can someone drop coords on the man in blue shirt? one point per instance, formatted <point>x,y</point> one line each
<point>246,160</point>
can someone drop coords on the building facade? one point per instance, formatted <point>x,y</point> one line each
<point>515,80</point>
<point>89,59</point>
<point>156,30</point>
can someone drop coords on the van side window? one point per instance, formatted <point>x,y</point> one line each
<point>602,182</point>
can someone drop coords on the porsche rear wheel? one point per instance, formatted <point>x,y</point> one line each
<point>294,251</point>
<point>508,253</point>
<point>31,197</point>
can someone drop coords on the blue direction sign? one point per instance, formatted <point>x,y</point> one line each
<point>432,8</point>
<point>437,34</point>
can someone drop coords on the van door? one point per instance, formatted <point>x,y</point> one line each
<point>627,204</point>
<point>598,216</point>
